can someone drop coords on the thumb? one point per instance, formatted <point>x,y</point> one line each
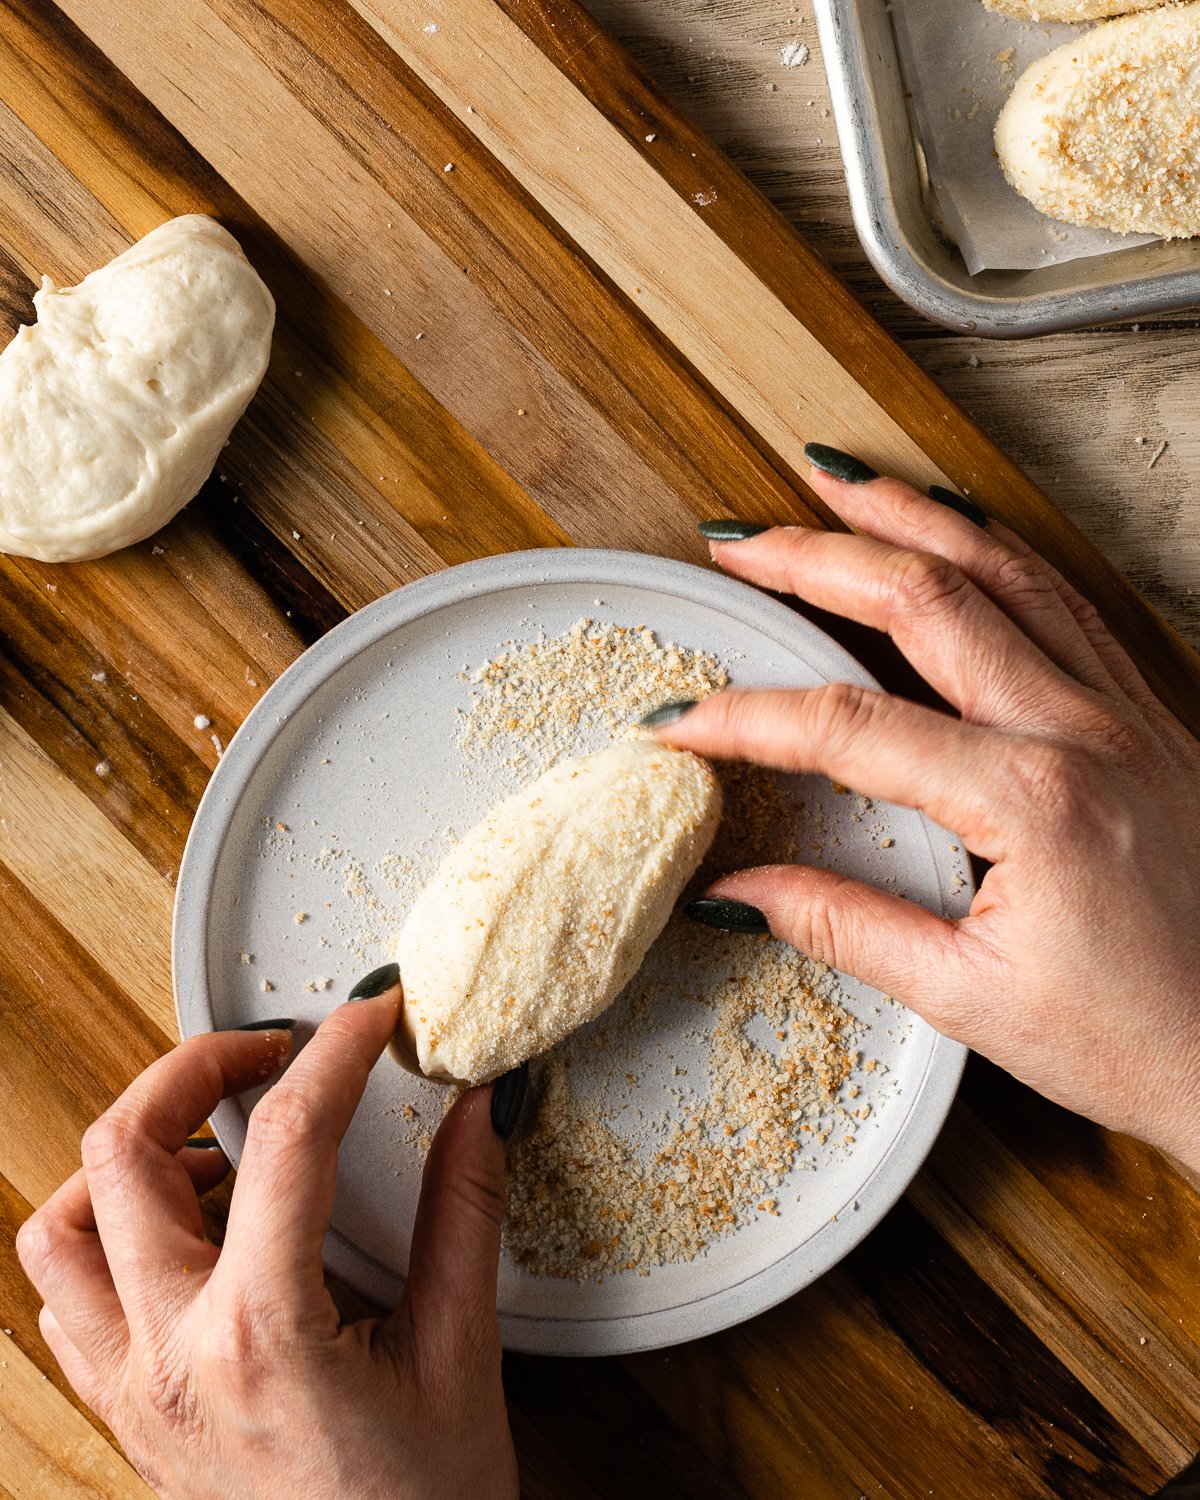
<point>451,1290</point>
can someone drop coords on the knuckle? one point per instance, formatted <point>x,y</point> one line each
<point>287,1117</point>
<point>919,583</point>
<point>111,1144</point>
<point>163,1388</point>
<point>39,1240</point>
<point>1057,780</point>
<point>820,924</point>
<point>1024,582</point>
<point>841,707</point>
<point>227,1348</point>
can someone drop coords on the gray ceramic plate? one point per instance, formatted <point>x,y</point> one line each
<point>353,750</point>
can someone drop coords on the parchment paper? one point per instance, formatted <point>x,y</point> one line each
<point>953,53</point>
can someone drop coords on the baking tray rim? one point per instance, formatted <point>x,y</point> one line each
<point>887,238</point>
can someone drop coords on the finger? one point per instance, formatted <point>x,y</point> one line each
<point>283,1199</point>
<point>60,1251</point>
<point>450,1297</point>
<point>887,942</point>
<point>1017,580</point>
<point>1112,655</point>
<point>882,746</point>
<point>85,1380</point>
<point>142,1193</point>
<point>965,647</point>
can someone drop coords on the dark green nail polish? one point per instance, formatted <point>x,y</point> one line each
<point>284,1023</point>
<point>963,506</point>
<point>667,714</point>
<point>730,531</point>
<point>204,1143</point>
<point>727,916</point>
<point>508,1095</point>
<point>375,982</point>
<point>840,465</point>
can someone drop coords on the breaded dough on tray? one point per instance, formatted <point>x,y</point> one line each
<point>1105,131</point>
<point>1068,10</point>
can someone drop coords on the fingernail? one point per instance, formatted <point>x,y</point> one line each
<point>730,531</point>
<point>508,1095</point>
<point>963,506</point>
<point>728,916</point>
<point>840,465</point>
<point>204,1143</point>
<point>667,714</point>
<point>284,1023</point>
<point>375,982</point>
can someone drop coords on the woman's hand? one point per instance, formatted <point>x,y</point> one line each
<point>1078,966</point>
<point>224,1372</point>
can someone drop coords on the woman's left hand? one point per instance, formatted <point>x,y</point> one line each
<point>224,1372</point>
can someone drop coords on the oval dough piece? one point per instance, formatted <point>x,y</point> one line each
<point>1068,10</point>
<point>1106,130</point>
<point>538,919</point>
<point>115,404</point>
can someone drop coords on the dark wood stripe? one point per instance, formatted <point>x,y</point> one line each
<point>956,1326</point>
<point>46,685</point>
<point>605,1425</point>
<point>1150,1202</point>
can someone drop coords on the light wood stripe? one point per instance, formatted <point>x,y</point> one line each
<point>66,852</point>
<point>48,1449</point>
<point>606,193</point>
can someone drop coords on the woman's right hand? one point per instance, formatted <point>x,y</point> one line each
<point>1078,966</point>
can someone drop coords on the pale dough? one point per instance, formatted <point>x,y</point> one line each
<point>115,404</point>
<point>537,920</point>
<point>1105,131</point>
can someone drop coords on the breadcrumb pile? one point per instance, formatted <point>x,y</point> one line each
<point>594,1189</point>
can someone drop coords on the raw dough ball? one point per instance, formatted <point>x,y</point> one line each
<point>538,919</point>
<point>1106,130</point>
<point>115,404</point>
<point>1067,10</point>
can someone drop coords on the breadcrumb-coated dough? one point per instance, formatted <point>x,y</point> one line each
<point>115,404</point>
<point>537,920</point>
<point>1105,131</point>
<point>1068,10</point>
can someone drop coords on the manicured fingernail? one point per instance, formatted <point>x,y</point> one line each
<point>508,1095</point>
<point>963,506</point>
<point>204,1143</point>
<point>840,465</point>
<point>375,982</point>
<point>728,916</point>
<point>730,531</point>
<point>284,1023</point>
<point>667,714</point>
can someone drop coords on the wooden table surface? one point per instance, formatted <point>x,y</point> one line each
<point>1025,1323</point>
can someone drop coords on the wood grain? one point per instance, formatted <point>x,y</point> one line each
<point>602,360</point>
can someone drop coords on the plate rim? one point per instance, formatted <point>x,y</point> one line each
<point>930,1099</point>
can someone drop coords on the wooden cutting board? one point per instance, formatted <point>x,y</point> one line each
<point>522,302</point>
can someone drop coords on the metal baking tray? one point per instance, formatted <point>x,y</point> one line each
<point>896,215</point>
